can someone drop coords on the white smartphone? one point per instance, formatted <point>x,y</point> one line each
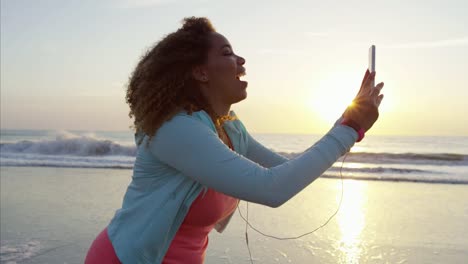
<point>372,59</point>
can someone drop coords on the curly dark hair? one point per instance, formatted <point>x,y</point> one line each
<point>162,83</point>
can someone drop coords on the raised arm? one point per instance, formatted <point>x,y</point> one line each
<point>193,149</point>
<point>257,152</point>
<point>262,155</point>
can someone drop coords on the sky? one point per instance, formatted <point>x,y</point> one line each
<point>65,64</point>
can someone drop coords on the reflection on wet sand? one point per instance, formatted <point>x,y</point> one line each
<point>351,220</point>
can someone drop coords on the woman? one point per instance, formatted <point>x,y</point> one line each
<point>195,159</point>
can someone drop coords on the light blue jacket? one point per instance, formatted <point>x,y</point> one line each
<point>186,156</point>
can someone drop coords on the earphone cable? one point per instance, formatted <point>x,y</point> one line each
<point>247,224</point>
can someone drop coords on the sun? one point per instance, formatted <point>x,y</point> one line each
<point>333,94</point>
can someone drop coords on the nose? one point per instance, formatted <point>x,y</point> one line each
<point>240,60</point>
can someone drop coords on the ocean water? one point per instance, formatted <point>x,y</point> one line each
<point>391,158</point>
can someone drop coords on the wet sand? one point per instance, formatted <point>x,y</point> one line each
<point>51,215</point>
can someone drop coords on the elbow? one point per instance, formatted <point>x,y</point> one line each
<point>269,191</point>
<point>274,193</point>
<point>275,202</point>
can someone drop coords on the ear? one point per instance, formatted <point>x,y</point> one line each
<point>200,74</point>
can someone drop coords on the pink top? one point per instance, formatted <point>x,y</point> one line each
<point>191,240</point>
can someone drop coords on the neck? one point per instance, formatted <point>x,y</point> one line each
<point>217,105</point>
<point>221,110</point>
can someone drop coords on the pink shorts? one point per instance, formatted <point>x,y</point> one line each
<point>102,251</point>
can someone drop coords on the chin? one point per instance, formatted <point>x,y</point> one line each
<point>238,94</point>
<point>242,96</point>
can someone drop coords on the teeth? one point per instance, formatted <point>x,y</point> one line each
<point>241,74</point>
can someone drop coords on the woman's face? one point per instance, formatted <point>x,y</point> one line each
<point>221,73</point>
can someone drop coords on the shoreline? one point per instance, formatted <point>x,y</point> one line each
<point>325,175</point>
<point>364,178</point>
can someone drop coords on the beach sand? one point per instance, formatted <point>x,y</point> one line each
<point>51,215</point>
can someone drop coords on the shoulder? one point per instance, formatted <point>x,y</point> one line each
<point>183,126</point>
<point>183,120</point>
<point>180,123</point>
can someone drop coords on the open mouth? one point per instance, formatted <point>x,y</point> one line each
<point>239,75</point>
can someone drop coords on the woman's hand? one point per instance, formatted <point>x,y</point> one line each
<point>364,109</point>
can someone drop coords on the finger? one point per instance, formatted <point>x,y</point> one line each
<point>366,88</point>
<point>376,90</point>
<point>379,99</point>
<point>366,76</point>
